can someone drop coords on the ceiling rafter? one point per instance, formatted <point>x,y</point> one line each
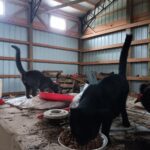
<point>90,17</point>
<point>64,5</point>
<point>75,6</point>
<point>24,3</point>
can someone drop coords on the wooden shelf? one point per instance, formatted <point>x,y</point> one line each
<point>133,78</point>
<point>115,29</point>
<point>54,47</point>
<point>13,41</point>
<point>103,62</point>
<point>13,58</point>
<point>142,78</point>
<point>40,61</point>
<point>135,42</point>
<point>10,76</point>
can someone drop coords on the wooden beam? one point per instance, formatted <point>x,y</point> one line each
<point>14,41</point>
<point>42,21</point>
<point>55,47</point>
<point>63,5</point>
<point>143,78</point>
<point>119,28</point>
<point>12,58</point>
<point>10,76</point>
<point>55,62</point>
<point>40,60</point>
<point>75,6</point>
<point>104,62</point>
<point>136,42</point>
<point>42,8</point>
<point>13,93</point>
<point>30,38</point>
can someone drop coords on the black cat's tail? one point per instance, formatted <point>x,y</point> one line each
<point>124,55</point>
<point>18,61</point>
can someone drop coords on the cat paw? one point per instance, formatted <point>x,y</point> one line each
<point>29,97</point>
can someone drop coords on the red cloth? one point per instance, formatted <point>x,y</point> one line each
<point>1,101</point>
<point>139,96</point>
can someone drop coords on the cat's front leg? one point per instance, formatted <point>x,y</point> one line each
<point>28,91</point>
<point>106,124</point>
<point>125,120</point>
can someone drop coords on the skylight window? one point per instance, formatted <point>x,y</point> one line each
<point>1,7</point>
<point>58,23</point>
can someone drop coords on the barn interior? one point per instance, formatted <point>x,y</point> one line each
<point>73,43</point>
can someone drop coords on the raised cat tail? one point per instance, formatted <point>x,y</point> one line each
<point>124,55</point>
<point>18,61</point>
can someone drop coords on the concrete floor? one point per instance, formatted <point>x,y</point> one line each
<point>22,130</point>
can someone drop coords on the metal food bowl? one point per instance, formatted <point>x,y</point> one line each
<point>56,114</point>
<point>103,146</point>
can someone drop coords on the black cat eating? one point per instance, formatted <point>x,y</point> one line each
<point>34,79</point>
<point>144,97</point>
<point>101,103</point>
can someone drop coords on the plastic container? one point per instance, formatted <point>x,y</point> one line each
<point>55,97</point>
<point>105,141</point>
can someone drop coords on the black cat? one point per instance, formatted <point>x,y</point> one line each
<point>145,96</point>
<point>34,80</point>
<point>101,103</point>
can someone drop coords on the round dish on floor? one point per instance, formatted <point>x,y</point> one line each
<point>55,114</point>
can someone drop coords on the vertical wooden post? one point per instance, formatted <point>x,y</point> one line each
<point>80,56</point>
<point>30,39</point>
<point>148,50</point>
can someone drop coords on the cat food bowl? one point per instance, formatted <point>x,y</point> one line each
<point>67,141</point>
<point>55,114</point>
<point>55,96</point>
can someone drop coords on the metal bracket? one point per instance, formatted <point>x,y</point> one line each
<point>34,6</point>
<point>90,17</point>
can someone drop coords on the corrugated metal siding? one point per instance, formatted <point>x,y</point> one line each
<point>101,68</point>
<point>105,40</point>
<point>9,67</point>
<point>111,54</point>
<point>55,54</point>
<point>137,51</point>
<point>13,32</point>
<point>140,6</point>
<point>134,86</point>
<point>54,39</point>
<point>114,12</point>
<point>67,69</point>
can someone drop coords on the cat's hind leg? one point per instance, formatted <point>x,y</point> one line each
<point>125,120</point>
